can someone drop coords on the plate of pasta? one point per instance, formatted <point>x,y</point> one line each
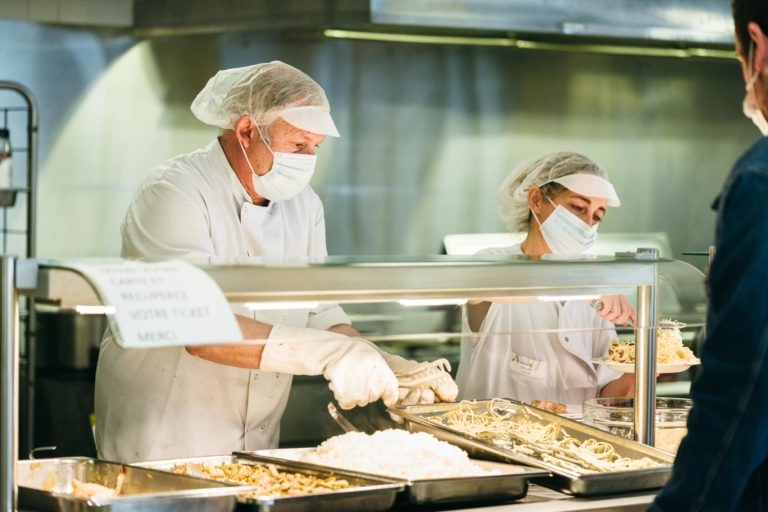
<point>660,367</point>
<point>671,355</point>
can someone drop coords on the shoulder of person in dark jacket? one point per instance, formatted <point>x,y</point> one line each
<point>754,161</point>
<point>720,464</point>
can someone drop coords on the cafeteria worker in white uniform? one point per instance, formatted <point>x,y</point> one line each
<point>245,194</point>
<point>559,200</point>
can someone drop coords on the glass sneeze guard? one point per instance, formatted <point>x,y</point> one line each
<point>426,282</point>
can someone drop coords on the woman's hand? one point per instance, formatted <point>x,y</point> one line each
<point>615,309</point>
<point>623,386</point>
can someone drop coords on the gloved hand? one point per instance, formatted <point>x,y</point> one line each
<point>356,372</point>
<point>421,383</point>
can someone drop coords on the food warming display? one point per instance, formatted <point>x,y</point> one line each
<point>584,460</point>
<point>483,481</point>
<point>533,436</point>
<point>395,453</point>
<point>267,479</point>
<point>90,490</point>
<point>84,484</point>
<point>278,485</point>
<point>332,282</point>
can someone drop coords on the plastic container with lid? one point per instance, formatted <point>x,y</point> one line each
<point>616,415</point>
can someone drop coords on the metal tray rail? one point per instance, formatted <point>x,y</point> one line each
<point>571,482</point>
<point>510,482</point>
<point>367,493</point>
<point>46,485</point>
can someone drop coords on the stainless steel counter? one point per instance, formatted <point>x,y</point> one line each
<point>541,499</point>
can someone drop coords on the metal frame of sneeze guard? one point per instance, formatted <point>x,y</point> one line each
<point>352,280</point>
<point>645,352</point>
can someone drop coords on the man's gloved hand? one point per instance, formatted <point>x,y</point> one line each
<point>421,383</point>
<point>356,372</point>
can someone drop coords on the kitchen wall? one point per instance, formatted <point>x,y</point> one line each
<point>428,131</point>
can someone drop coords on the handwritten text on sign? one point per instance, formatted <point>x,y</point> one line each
<point>163,304</point>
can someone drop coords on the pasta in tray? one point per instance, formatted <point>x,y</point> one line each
<point>539,439</point>
<point>669,349</point>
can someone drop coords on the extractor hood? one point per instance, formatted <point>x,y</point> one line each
<point>670,23</point>
<point>699,22</point>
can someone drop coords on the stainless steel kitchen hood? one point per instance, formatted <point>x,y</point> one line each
<point>670,24</point>
<point>697,22</point>
<point>178,16</point>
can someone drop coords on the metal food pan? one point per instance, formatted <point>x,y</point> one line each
<point>564,480</point>
<point>46,484</point>
<point>367,493</point>
<point>509,483</point>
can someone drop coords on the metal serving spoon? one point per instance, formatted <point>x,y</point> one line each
<point>340,420</point>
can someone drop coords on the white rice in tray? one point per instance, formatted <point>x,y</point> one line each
<point>395,453</point>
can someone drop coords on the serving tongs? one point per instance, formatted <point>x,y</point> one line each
<point>671,324</point>
<point>340,420</point>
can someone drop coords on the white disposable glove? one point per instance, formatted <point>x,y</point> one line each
<point>421,383</point>
<point>356,372</point>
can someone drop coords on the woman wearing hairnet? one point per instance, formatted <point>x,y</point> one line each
<point>246,194</point>
<point>544,350</point>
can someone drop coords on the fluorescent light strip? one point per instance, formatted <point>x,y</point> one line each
<point>553,298</point>
<point>511,42</point>
<point>432,302</point>
<point>268,306</point>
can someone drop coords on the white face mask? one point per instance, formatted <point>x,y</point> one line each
<point>750,106</point>
<point>565,233</point>
<point>289,174</point>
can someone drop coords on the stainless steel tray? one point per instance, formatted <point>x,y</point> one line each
<point>510,483</point>
<point>570,482</point>
<point>46,484</point>
<point>367,493</point>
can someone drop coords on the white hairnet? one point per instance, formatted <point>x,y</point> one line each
<point>512,196</point>
<point>262,91</point>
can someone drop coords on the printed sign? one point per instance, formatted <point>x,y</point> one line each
<point>163,304</point>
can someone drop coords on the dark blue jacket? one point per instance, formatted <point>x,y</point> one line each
<point>722,464</point>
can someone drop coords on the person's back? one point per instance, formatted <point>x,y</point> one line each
<point>722,464</point>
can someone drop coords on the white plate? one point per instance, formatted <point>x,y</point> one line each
<point>660,368</point>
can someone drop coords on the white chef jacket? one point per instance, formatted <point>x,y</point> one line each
<point>532,366</point>
<point>163,402</point>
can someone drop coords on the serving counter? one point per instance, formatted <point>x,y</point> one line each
<point>541,499</point>
<point>371,286</point>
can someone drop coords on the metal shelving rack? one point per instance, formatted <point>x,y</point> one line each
<point>19,238</point>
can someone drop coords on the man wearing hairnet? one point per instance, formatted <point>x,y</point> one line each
<point>722,464</point>
<point>246,194</point>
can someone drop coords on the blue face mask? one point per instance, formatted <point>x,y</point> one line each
<point>565,233</point>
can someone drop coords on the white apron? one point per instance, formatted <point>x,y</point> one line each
<point>164,403</point>
<point>506,359</point>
